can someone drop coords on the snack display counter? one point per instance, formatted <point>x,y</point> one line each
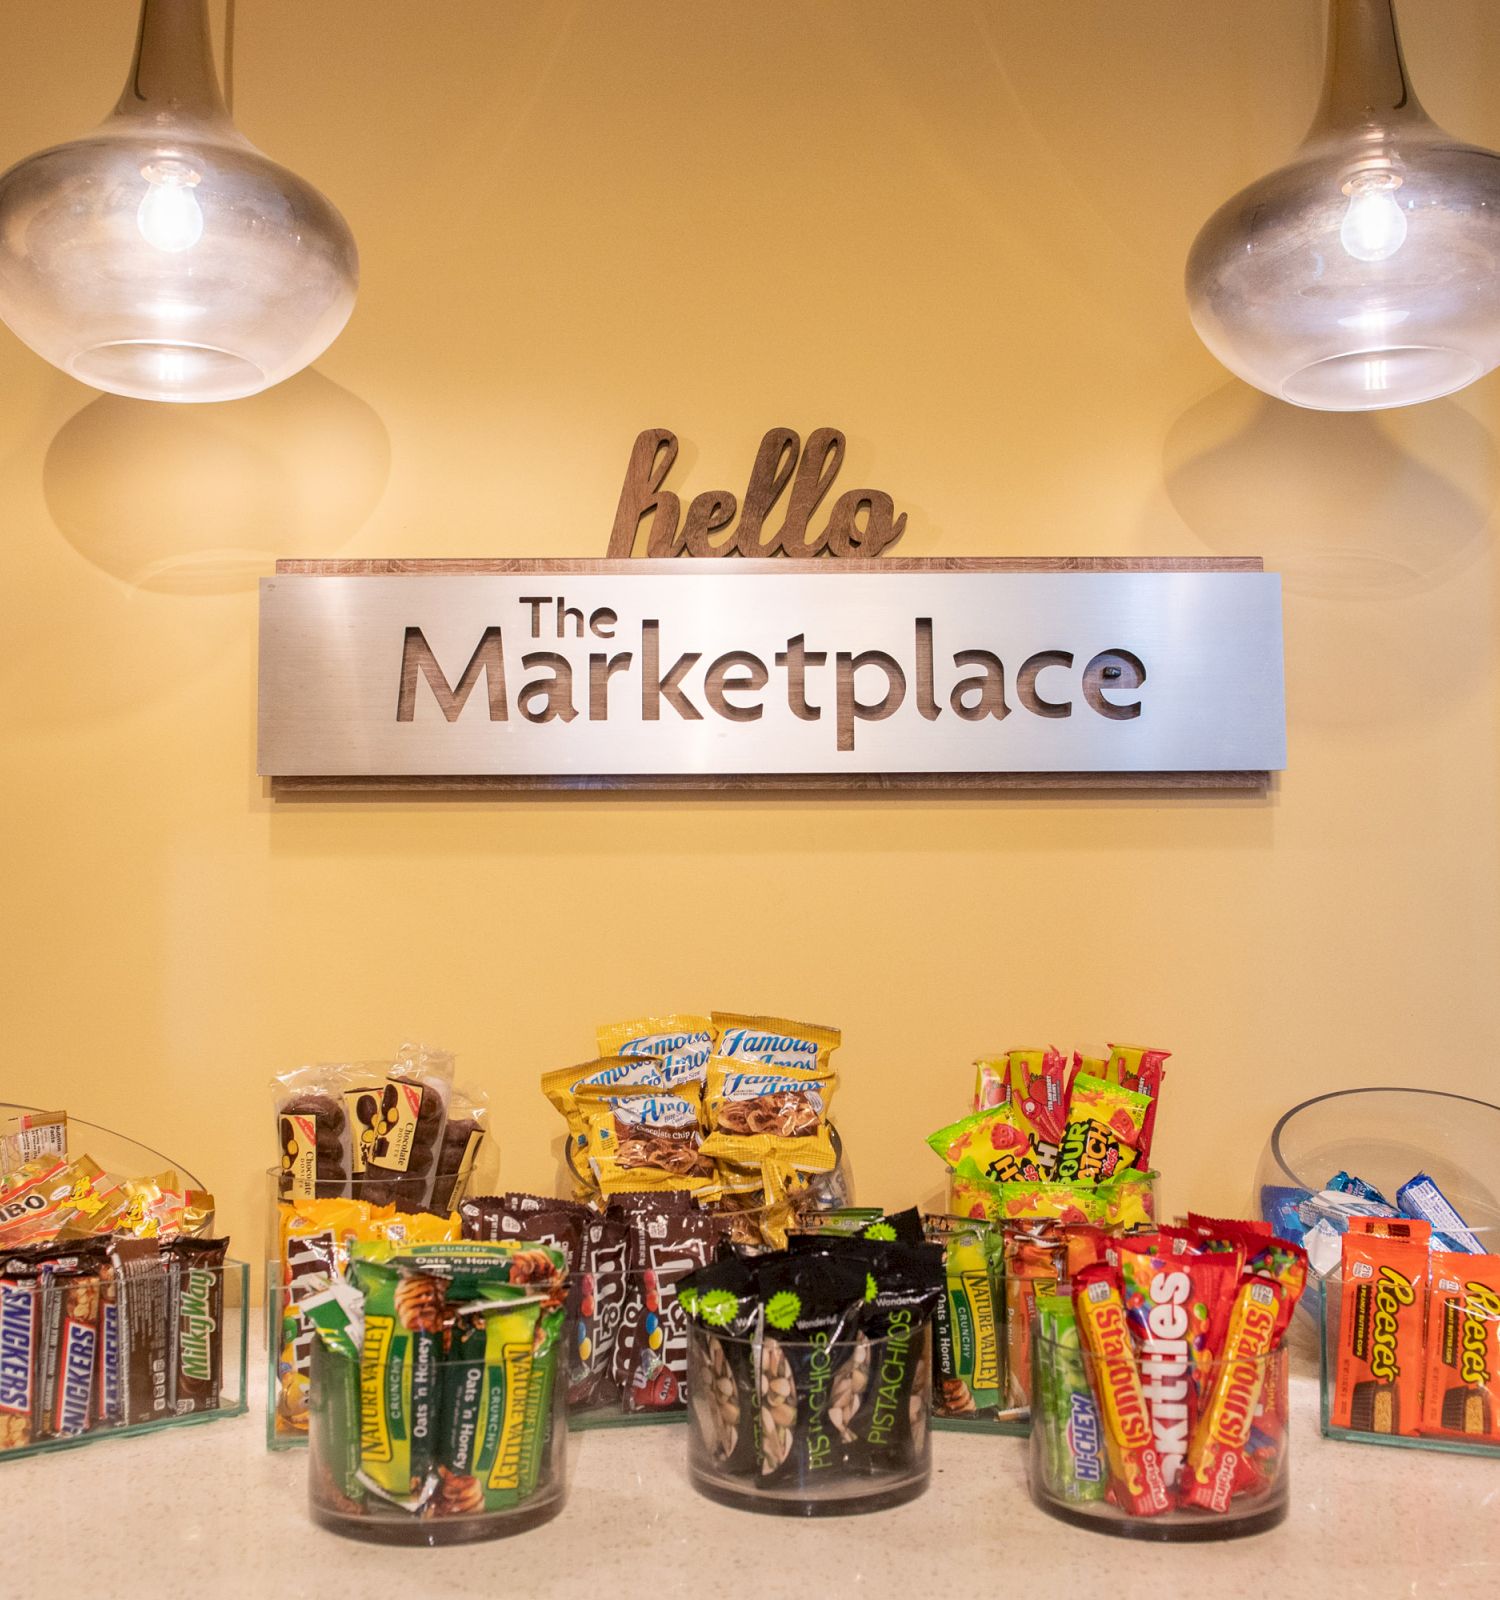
<point>230,1519</point>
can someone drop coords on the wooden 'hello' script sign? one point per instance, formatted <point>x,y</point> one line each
<point>862,522</point>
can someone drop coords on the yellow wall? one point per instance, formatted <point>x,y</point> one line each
<point>956,231</point>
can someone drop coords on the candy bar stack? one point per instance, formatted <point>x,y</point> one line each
<point>111,1295</point>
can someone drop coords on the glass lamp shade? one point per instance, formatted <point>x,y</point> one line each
<point>163,256</point>
<point>1365,273</point>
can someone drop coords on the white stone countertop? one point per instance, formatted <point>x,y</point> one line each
<point>206,1511</point>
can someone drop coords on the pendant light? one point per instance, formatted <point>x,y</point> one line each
<point>1365,273</point>
<point>163,256</point>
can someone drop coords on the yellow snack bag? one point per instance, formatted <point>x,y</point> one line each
<point>776,1040</point>
<point>761,1113</point>
<point>423,1227</point>
<point>561,1085</point>
<point>670,1035</point>
<point>644,1137</point>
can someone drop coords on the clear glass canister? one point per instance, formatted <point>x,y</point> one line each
<point>469,1444</point>
<point>1195,1454</point>
<point>809,1428</point>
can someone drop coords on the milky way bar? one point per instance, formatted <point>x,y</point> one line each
<point>196,1268</point>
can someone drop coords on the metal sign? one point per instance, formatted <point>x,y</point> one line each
<point>881,673</point>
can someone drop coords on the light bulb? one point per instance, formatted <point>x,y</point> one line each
<point>1374,226</point>
<point>1366,272</point>
<point>163,256</point>
<point>169,216</point>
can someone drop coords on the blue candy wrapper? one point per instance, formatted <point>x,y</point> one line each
<point>1345,1184</point>
<point>1278,1206</point>
<point>1421,1197</point>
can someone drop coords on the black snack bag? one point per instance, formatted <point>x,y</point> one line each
<point>724,1313</point>
<point>649,1362</point>
<point>900,1227</point>
<point>196,1321</point>
<point>889,1421</point>
<point>807,1355</point>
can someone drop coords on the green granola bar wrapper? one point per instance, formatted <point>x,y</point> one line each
<point>968,1337</point>
<point>398,1372</point>
<point>334,1439</point>
<point>1073,1438</point>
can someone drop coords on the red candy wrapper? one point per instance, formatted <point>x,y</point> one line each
<point>1137,1479</point>
<point>1134,1068</point>
<point>1178,1299</point>
<point>1220,1460</point>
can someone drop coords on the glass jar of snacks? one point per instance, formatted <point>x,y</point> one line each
<point>1184,1441</point>
<point>810,1376</point>
<point>437,1401</point>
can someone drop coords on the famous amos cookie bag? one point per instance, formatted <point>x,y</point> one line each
<point>775,1041</point>
<point>768,1116</point>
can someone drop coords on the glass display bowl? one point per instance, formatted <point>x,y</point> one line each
<point>113,1151</point>
<point>1387,1136</point>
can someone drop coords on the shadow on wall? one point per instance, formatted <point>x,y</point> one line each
<point>200,499</point>
<point>1376,522</point>
<point>1346,505</point>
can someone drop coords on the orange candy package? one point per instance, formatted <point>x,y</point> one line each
<point>1462,1397</point>
<point>1381,1326</point>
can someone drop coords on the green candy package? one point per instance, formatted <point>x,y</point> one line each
<point>334,1438</point>
<point>1072,1439</point>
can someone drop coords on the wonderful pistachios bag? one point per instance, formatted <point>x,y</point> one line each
<point>808,1366</point>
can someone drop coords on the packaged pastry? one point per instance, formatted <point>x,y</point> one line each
<point>1462,1396</point>
<point>401,1169</point>
<point>312,1133</point>
<point>464,1133</point>
<point>775,1040</point>
<point>1103,1132</point>
<point>1381,1329</point>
